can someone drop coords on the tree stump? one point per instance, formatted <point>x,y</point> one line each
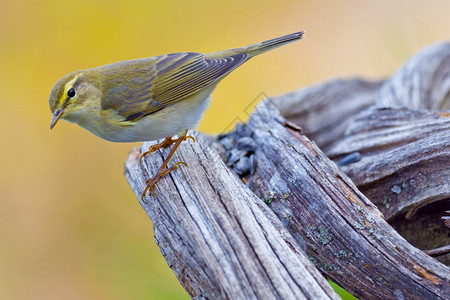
<point>263,212</point>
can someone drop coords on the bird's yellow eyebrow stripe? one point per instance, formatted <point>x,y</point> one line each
<point>67,87</point>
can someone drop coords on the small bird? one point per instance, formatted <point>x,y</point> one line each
<point>150,98</point>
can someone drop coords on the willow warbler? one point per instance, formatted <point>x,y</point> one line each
<point>150,98</point>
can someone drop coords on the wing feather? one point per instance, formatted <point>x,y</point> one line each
<point>144,87</point>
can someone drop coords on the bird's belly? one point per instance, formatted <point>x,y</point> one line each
<point>167,122</point>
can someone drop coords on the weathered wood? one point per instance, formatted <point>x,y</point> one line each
<point>325,110</point>
<point>405,156</point>
<point>344,233</point>
<point>400,151</point>
<point>223,242</point>
<point>423,82</point>
<point>220,239</point>
<point>438,251</point>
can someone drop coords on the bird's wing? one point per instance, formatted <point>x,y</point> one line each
<point>167,80</point>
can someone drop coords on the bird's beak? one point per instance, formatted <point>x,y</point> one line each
<point>56,116</point>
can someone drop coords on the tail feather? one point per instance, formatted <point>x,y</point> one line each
<point>265,46</point>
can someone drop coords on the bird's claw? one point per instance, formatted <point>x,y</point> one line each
<point>150,183</point>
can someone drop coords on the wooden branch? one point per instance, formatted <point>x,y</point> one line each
<point>423,82</point>
<point>398,152</point>
<point>325,110</point>
<point>345,235</point>
<point>438,251</point>
<point>405,156</point>
<point>220,239</point>
<point>223,241</point>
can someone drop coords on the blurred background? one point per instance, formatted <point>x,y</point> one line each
<point>71,228</point>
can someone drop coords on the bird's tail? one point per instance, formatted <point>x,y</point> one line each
<point>262,47</point>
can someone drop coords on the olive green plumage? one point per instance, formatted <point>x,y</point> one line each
<point>150,98</point>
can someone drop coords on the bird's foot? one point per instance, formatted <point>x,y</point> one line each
<point>163,170</point>
<point>150,183</point>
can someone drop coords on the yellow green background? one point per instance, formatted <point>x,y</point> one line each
<point>71,228</point>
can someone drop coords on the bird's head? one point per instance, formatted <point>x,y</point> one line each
<point>71,94</point>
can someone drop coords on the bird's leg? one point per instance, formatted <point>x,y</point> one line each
<point>163,170</point>
<point>167,141</point>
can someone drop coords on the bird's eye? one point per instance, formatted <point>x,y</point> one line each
<point>71,93</point>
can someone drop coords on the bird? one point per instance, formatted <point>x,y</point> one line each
<point>150,98</point>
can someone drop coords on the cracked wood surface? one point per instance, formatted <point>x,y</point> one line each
<point>222,241</point>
